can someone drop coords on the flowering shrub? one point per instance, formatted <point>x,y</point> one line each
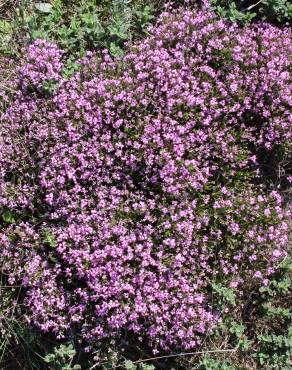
<point>134,188</point>
<point>41,66</point>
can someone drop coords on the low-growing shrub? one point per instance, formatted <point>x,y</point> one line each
<point>131,193</point>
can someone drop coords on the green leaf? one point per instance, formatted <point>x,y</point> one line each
<point>244,344</point>
<point>39,34</point>
<point>147,367</point>
<point>226,293</point>
<point>5,27</point>
<point>129,365</point>
<point>49,238</point>
<point>9,217</point>
<point>44,7</point>
<point>49,358</point>
<point>115,50</point>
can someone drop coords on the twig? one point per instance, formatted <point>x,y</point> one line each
<point>254,5</point>
<point>187,354</point>
<point>175,355</point>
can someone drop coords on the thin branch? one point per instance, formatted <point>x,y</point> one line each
<point>174,355</point>
<point>254,5</point>
<point>187,354</point>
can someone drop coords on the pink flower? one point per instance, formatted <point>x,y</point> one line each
<point>258,274</point>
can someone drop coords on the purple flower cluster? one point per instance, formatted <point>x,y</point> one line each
<point>134,185</point>
<point>43,63</point>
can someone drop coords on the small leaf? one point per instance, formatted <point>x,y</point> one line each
<point>5,27</point>
<point>147,367</point>
<point>129,365</point>
<point>115,50</point>
<point>49,238</point>
<point>9,217</point>
<point>49,358</point>
<point>44,7</point>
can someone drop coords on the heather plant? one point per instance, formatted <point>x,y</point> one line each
<point>132,196</point>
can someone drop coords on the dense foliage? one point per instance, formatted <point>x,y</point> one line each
<point>76,25</point>
<point>130,192</point>
<point>274,11</point>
